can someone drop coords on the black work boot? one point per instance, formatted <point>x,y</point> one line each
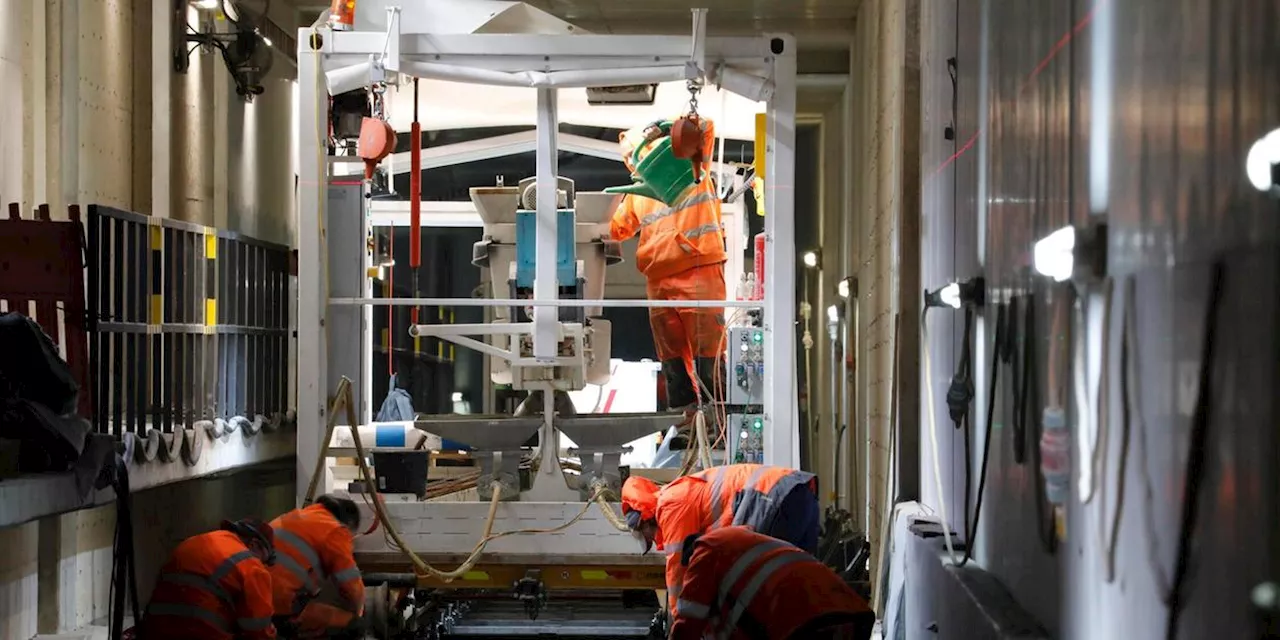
<point>680,391</point>
<point>710,378</point>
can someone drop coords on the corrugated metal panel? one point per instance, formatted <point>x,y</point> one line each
<point>1189,86</point>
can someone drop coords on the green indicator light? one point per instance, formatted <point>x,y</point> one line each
<point>758,424</point>
<point>757,337</point>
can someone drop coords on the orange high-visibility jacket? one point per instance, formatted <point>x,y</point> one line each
<point>212,588</point>
<point>674,238</point>
<point>312,547</point>
<point>736,494</point>
<point>741,584</point>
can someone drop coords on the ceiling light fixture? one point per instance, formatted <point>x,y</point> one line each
<point>1262,165</point>
<point>971,292</point>
<point>812,258</point>
<point>1072,253</point>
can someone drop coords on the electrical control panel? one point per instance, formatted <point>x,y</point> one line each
<point>745,367</point>
<point>745,435</point>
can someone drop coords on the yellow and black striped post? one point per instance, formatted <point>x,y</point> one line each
<point>452,346</point>
<point>156,317</point>
<point>210,280</point>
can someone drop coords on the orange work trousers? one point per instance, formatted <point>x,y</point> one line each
<point>689,333</point>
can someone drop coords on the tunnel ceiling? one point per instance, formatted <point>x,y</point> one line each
<point>608,16</point>
<point>830,18</point>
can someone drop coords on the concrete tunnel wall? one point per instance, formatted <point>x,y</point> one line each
<point>231,168</point>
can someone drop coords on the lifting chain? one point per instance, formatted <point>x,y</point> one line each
<point>376,100</point>
<point>694,87</point>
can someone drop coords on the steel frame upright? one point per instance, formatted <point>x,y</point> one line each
<point>321,51</point>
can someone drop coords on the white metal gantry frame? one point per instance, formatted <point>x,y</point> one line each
<point>760,68</point>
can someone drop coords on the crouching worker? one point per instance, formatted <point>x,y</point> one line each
<point>776,501</point>
<point>741,584</point>
<point>319,592</point>
<point>215,586</point>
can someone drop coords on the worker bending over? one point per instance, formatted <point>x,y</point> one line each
<point>682,255</point>
<point>215,586</point>
<point>319,592</point>
<point>741,584</point>
<point>775,501</point>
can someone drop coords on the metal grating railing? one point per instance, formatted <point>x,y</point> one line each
<point>188,323</point>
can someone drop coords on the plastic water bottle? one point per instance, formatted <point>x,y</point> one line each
<point>1055,455</point>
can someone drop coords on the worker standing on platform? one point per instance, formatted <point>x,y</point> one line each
<point>319,592</point>
<point>742,584</point>
<point>215,586</point>
<point>682,255</point>
<point>775,501</point>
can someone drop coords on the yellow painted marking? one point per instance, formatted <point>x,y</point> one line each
<point>761,136</point>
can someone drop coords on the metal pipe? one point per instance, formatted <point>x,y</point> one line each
<point>749,86</point>
<point>568,329</point>
<point>545,80</point>
<point>833,331</point>
<point>570,303</point>
<point>69,108</point>
<point>546,320</point>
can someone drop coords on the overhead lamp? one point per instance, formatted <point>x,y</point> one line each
<point>833,314</point>
<point>1072,253</point>
<point>207,5</point>
<point>811,258</point>
<point>846,287</point>
<point>1262,165</point>
<point>971,292</point>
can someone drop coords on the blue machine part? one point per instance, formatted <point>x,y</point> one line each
<point>389,435</point>
<point>527,248</point>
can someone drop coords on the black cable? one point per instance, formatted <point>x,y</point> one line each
<point>1197,454</point>
<point>960,401</point>
<point>124,579</point>
<point>1020,377</point>
<point>999,351</point>
<point>1030,406</point>
<point>1127,335</point>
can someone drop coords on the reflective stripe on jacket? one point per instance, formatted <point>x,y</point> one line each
<point>736,494</point>
<point>674,238</point>
<point>212,588</point>
<point>312,547</point>
<point>742,584</point>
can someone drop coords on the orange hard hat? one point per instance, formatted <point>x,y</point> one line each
<point>640,496</point>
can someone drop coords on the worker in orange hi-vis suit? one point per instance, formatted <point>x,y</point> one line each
<point>319,592</point>
<point>682,256</point>
<point>775,501</point>
<point>739,584</point>
<point>215,586</point>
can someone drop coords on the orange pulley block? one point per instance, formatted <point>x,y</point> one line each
<point>686,142</point>
<point>377,140</point>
